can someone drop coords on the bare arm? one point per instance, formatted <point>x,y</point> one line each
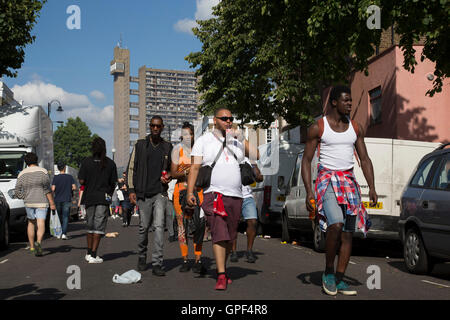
<point>251,151</point>
<point>308,154</point>
<point>192,178</point>
<point>259,177</point>
<point>51,201</point>
<point>366,165</point>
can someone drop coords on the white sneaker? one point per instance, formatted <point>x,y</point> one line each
<point>64,237</point>
<point>87,257</point>
<point>95,260</point>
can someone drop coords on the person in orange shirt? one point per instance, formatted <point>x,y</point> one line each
<point>187,217</point>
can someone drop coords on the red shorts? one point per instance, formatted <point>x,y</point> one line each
<point>222,228</point>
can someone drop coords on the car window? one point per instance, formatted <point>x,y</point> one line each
<point>294,181</point>
<point>420,178</point>
<point>442,177</point>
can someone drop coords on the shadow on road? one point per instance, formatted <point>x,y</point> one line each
<point>30,292</point>
<point>117,255</point>
<point>440,271</point>
<point>315,278</point>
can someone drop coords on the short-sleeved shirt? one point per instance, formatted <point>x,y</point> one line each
<point>226,175</point>
<point>63,187</point>
<point>99,182</point>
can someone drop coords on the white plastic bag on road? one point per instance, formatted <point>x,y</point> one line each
<point>131,276</point>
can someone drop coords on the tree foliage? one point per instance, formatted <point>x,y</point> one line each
<point>72,142</point>
<point>269,57</point>
<point>17,19</point>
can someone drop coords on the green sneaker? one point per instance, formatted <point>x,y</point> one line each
<point>38,250</point>
<point>329,284</point>
<point>32,250</point>
<point>344,288</point>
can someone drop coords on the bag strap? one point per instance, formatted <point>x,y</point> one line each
<point>220,152</point>
<point>225,146</point>
<point>321,129</point>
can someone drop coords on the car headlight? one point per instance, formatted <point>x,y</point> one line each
<point>12,193</point>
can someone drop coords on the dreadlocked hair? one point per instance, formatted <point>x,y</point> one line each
<point>99,151</point>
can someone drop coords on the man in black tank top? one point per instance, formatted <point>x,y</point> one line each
<point>340,232</point>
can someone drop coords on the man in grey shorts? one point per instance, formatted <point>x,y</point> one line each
<point>99,176</point>
<point>339,204</point>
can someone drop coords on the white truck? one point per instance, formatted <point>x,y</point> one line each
<point>22,129</point>
<point>277,160</point>
<point>393,161</point>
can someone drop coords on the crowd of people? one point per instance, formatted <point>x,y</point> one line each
<point>203,184</point>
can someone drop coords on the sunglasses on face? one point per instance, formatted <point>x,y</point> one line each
<point>225,119</point>
<point>159,126</point>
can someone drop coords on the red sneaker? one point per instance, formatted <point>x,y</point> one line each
<point>221,282</point>
<point>229,281</point>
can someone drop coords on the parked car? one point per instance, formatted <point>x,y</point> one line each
<point>425,213</point>
<point>4,222</point>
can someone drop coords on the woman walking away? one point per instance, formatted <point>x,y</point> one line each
<point>99,176</point>
<point>181,163</point>
<point>33,186</point>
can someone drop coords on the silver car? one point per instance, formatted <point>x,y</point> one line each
<point>425,213</point>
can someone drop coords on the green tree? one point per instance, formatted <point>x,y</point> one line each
<point>269,57</point>
<point>72,142</point>
<point>17,19</point>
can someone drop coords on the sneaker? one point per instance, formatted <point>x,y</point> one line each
<point>38,252</point>
<point>142,264</point>
<point>97,259</point>
<point>329,284</point>
<point>343,287</point>
<point>87,257</point>
<point>124,225</point>
<point>199,268</point>
<point>251,258</point>
<point>32,250</point>
<point>234,256</point>
<point>185,267</point>
<point>158,271</point>
<point>64,237</point>
<point>221,283</point>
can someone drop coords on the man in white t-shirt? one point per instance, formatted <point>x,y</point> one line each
<point>222,201</point>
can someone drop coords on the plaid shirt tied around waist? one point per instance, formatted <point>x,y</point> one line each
<point>344,185</point>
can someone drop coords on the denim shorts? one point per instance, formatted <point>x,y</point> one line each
<point>249,209</point>
<point>335,213</point>
<point>36,213</point>
<point>96,218</point>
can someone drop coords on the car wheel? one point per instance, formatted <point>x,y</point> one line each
<point>318,239</point>
<point>4,235</point>
<point>284,227</point>
<point>414,252</point>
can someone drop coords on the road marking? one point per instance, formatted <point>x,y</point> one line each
<point>436,284</point>
<point>3,261</point>
<point>351,262</point>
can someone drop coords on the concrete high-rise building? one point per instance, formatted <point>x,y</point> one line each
<point>170,94</point>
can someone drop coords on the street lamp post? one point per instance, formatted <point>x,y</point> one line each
<point>49,106</point>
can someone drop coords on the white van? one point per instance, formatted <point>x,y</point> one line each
<point>277,159</point>
<point>393,161</point>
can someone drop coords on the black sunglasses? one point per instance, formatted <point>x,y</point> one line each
<point>159,126</point>
<point>225,119</point>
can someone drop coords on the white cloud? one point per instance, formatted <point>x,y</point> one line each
<point>204,12</point>
<point>98,95</point>
<point>100,120</point>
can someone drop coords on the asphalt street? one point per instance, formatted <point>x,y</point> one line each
<point>282,271</point>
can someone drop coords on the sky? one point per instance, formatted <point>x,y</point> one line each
<point>72,65</point>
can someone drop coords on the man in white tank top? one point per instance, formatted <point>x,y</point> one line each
<point>338,198</point>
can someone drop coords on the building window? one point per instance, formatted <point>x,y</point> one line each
<point>375,105</point>
<point>269,135</point>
